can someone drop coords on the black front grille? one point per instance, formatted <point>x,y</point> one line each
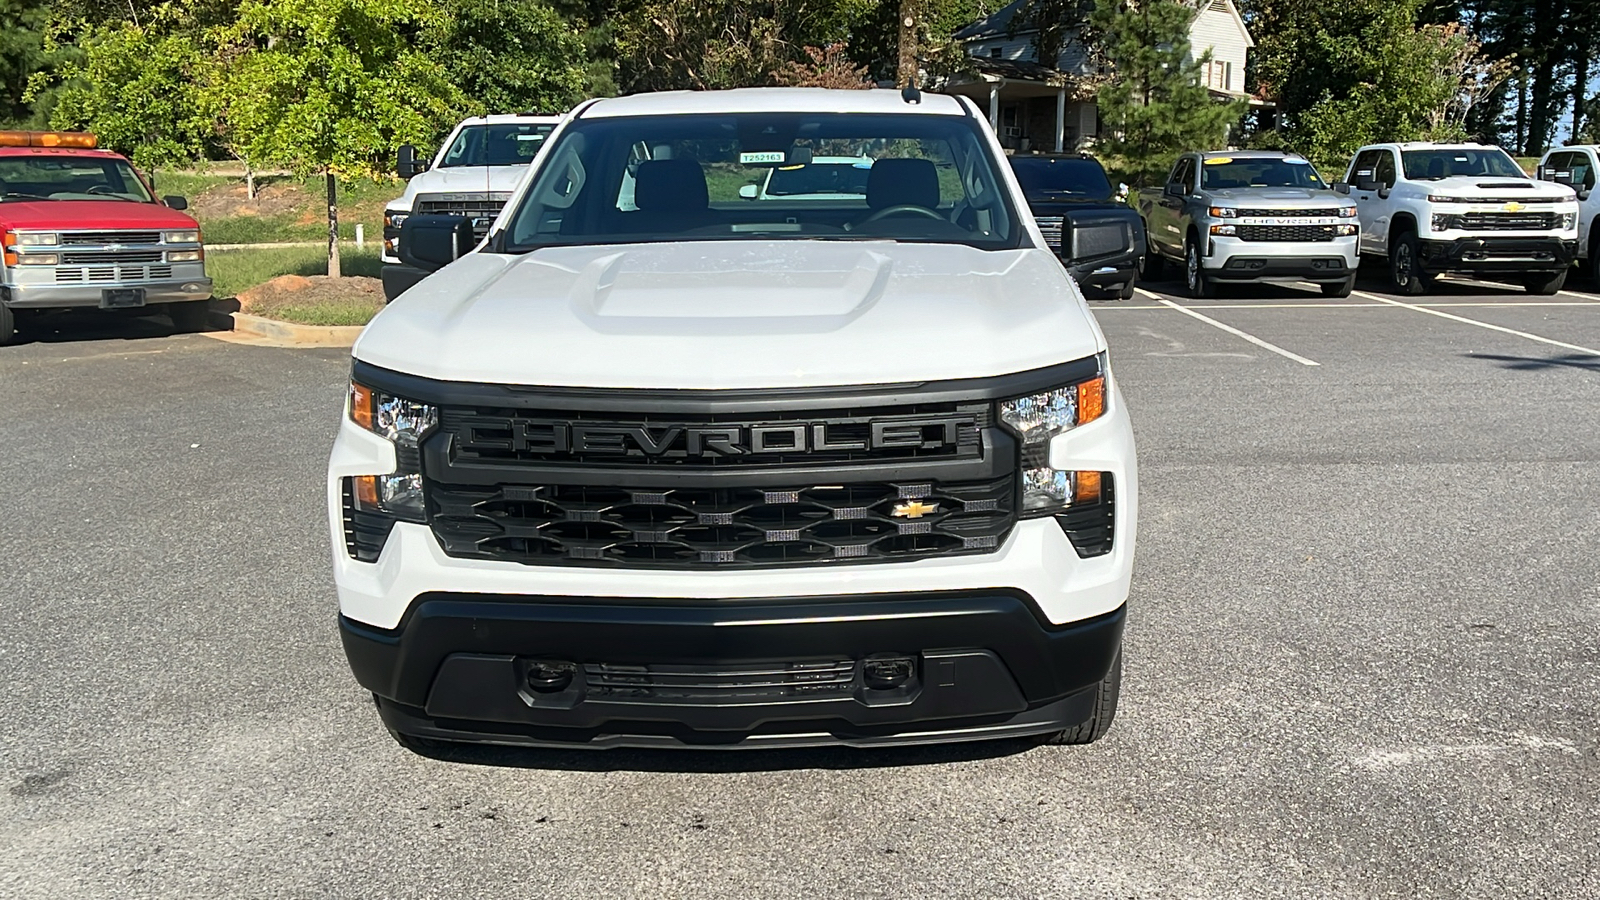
<point>1287,213</point>
<point>97,238</point>
<point>721,527</point>
<point>930,431</point>
<point>1286,232</point>
<point>1050,227</point>
<point>125,257</point>
<point>364,532</point>
<point>480,210</point>
<point>1536,221</point>
<point>1091,527</point>
<point>770,682</point>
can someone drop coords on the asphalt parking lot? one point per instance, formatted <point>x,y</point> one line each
<point>1361,658</point>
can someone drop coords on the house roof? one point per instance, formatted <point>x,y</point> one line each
<point>995,24</point>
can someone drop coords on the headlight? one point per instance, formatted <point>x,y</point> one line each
<point>37,259</point>
<point>181,237</point>
<point>403,423</point>
<point>1443,221</point>
<point>393,219</point>
<point>1344,230</point>
<point>1347,212</point>
<point>1223,212</point>
<point>1036,419</point>
<point>1225,230</point>
<point>185,255</point>
<point>36,240</point>
<point>1441,198</point>
<point>1568,221</point>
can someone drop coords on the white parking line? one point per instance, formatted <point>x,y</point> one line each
<point>1589,297</point>
<point>1265,345</point>
<point>1453,317</point>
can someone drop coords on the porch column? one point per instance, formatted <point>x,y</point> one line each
<point>994,105</point>
<point>1061,118</point>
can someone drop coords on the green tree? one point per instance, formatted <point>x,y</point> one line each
<point>22,54</point>
<point>331,87</point>
<point>512,55</point>
<point>709,44</point>
<point>1155,107</point>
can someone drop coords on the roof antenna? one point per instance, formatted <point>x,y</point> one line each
<point>910,94</point>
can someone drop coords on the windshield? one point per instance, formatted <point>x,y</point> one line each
<point>60,177</point>
<point>1047,179</point>
<point>826,176</point>
<point>691,177</point>
<point>1431,165</point>
<point>511,144</point>
<point>1222,172</point>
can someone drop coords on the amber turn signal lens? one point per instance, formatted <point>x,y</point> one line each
<point>361,406</point>
<point>1091,399</point>
<point>366,491</point>
<point>1086,488</point>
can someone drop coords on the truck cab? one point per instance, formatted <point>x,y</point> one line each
<point>1086,221</point>
<point>1233,216</point>
<point>82,228</point>
<point>1430,208</point>
<point>473,173</point>
<point>1577,167</point>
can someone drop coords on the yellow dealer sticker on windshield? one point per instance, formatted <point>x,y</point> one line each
<point>1219,160</point>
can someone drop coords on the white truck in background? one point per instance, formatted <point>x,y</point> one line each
<point>1577,167</point>
<point>1430,208</point>
<point>472,175</point>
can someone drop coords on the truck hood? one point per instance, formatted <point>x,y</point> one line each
<point>90,214</point>
<point>1279,197</point>
<point>1482,187</point>
<point>724,314</point>
<point>461,180</point>
<point>1048,208</point>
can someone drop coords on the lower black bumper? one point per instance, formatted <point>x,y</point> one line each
<point>794,672</point>
<point>1513,255</point>
<point>397,279</point>
<point>1310,268</point>
<point>1104,273</point>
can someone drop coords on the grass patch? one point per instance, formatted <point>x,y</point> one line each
<point>233,271</point>
<point>187,185</point>
<point>354,310</point>
<point>285,209</point>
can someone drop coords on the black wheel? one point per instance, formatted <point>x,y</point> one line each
<point>1405,266</point>
<point>1594,254</point>
<point>1194,275</point>
<point>1339,288</point>
<point>1546,283</point>
<point>1105,711</point>
<point>1127,288</point>
<point>191,316</point>
<point>8,324</point>
<point>1151,265</point>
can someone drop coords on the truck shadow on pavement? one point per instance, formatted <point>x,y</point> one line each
<point>726,761</point>
<point>1582,361</point>
<point>72,326</point>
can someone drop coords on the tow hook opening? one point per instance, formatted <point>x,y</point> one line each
<point>884,673</point>
<point>550,676</point>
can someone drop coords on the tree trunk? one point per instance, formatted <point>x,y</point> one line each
<point>249,181</point>
<point>906,74</point>
<point>1522,108</point>
<point>333,226</point>
<point>1582,46</point>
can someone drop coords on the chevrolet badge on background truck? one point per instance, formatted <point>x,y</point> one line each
<point>1469,208</point>
<point>655,464</point>
<point>475,170</point>
<point>82,229</point>
<point>1250,215</point>
<point>1576,167</point>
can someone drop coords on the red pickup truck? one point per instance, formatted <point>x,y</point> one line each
<point>81,228</point>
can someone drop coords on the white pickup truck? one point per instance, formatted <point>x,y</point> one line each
<point>1576,167</point>
<point>472,175</point>
<point>1432,208</point>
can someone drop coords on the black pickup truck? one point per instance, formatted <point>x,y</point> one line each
<point>1088,224</point>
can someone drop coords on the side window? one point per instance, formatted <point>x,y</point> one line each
<point>1177,170</point>
<point>1183,173</point>
<point>1556,162</point>
<point>1385,168</point>
<point>1583,166</point>
<point>1364,167</point>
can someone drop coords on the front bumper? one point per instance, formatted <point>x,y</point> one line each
<point>54,296</point>
<point>1498,254</point>
<point>785,672</point>
<point>1232,259</point>
<point>1109,272</point>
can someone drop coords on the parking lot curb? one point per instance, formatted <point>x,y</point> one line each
<point>290,334</point>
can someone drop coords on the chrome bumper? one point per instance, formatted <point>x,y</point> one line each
<point>52,296</point>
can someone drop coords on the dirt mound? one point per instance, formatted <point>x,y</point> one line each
<point>230,200</point>
<point>315,299</point>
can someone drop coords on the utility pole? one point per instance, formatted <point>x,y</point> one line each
<point>907,72</point>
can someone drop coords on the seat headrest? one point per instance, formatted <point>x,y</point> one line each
<point>1436,168</point>
<point>670,185</point>
<point>903,182</point>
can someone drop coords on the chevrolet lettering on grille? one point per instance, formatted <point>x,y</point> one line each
<point>556,438</point>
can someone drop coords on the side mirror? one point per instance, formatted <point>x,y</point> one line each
<point>749,191</point>
<point>1342,187</point>
<point>1174,189</point>
<point>407,163</point>
<point>430,243</point>
<point>1367,184</point>
<point>175,202</point>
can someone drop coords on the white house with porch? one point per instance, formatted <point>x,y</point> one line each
<point>1035,105</point>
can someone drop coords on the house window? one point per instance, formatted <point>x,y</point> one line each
<point>994,52</point>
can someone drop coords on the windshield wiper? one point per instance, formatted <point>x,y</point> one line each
<point>9,194</point>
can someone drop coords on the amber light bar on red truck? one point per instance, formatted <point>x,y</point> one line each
<point>81,140</point>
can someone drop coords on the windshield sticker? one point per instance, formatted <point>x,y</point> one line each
<point>758,157</point>
<point>1219,160</point>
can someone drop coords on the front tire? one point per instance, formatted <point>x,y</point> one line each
<point>1546,283</point>
<point>1099,722</point>
<point>190,317</point>
<point>1195,279</point>
<point>1405,266</point>
<point>1151,265</point>
<point>8,324</point>
<point>1339,288</point>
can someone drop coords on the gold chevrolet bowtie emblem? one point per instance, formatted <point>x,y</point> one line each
<point>914,509</point>
<point>1515,207</point>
